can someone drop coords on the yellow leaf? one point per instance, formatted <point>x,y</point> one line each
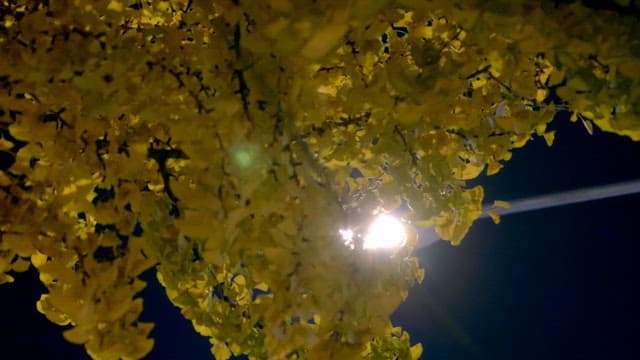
<point>156,187</point>
<point>143,347</point>
<point>115,6</point>
<point>261,286</point>
<point>5,278</point>
<point>454,225</point>
<point>416,351</point>
<point>468,171</point>
<point>478,82</point>
<point>69,189</point>
<point>38,259</point>
<point>587,125</point>
<point>184,299</point>
<point>540,129</point>
<point>494,216</point>
<point>240,280</point>
<point>520,141</point>
<point>220,351</point>
<point>20,265</point>
<point>5,145</point>
<point>574,117</point>
<point>502,204</point>
<point>76,335</point>
<point>624,125</point>
<point>549,137</point>
<point>493,167</point>
<point>45,307</point>
<point>4,179</point>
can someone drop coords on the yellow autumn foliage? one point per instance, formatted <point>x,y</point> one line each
<point>225,144</point>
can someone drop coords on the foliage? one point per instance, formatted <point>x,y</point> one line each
<point>227,142</point>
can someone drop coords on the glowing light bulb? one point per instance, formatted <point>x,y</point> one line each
<point>386,232</point>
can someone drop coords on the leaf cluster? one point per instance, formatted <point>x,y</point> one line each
<point>226,143</point>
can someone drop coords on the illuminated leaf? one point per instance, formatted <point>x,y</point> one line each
<point>38,259</point>
<point>416,351</point>
<point>4,278</point>
<point>228,143</point>
<point>5,145</point>
<point>76,335</point>
<point>549,137</point>
<point>21,265</point>
<point>44,306</point>
<point>4,179</point>
<point>494,216</point>
<point>221,351</point>
<point>587,125</point>
<point>494,167</point>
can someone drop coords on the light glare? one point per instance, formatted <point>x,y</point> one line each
<point>347,236</point>
<point>385,232</point>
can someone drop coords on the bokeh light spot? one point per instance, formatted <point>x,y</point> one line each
<point>244,157</point>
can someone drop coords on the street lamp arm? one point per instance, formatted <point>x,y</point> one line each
<point>429,236</point>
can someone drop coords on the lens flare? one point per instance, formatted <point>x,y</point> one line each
<point>347,236</point>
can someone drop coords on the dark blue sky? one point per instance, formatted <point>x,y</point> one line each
<point>555,284</point>
<point>558,283</point>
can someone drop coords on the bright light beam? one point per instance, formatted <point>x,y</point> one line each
<point>569,197</point>
<point>385,232</point>
<point>429,236</point>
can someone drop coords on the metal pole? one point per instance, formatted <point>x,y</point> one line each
<point>429,236</point>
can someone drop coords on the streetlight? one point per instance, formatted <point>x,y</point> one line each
<point>388,232</point>
<point>385,232</point>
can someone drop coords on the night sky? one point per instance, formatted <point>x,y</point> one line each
<point>558,283</point>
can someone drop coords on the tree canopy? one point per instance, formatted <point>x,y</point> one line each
<point>228,144</point>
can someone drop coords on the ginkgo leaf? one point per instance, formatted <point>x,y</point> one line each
<point>221,351</point>
<point>587,125</point>
<point>4,179</point>
<point>468,171</point>
<point>45,307</point>
<point>494,167</point>
<point>6,278</point>
<point>184,299</point>
<point>416,351</point>
<point>20,265</point>
<point>5,145</point>
<point>494,216</point>
<point>549,137</point>
<point>115,6</point>
<point>232,144</point>
<point>501,203</point>
<point>38,259</point>
<point>76,335</point>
